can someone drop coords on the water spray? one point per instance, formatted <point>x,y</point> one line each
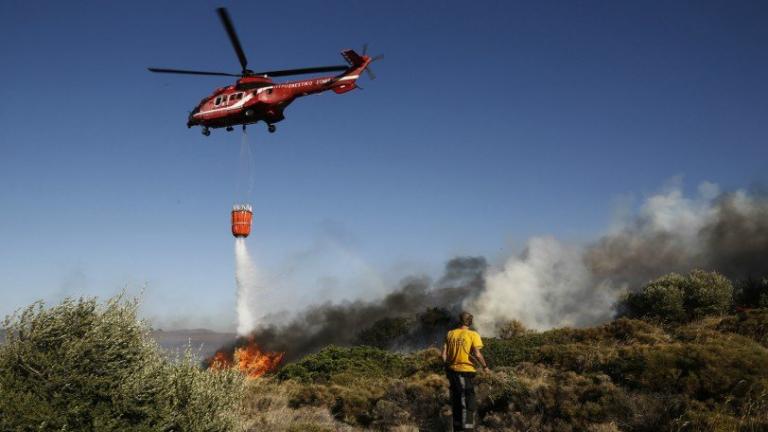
<point>248,285</point>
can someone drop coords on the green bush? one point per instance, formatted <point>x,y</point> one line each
<point>674,298</point>
<point>85,366</point>
<point>509,352</point>
<point>663,299</point>
<point>333,361</point>
<point>527,347</point>
<point>510,329</point>
<point>707,293</point>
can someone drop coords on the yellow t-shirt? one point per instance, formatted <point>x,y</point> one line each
<point>459,344</point>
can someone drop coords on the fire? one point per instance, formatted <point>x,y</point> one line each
<point>248,359</point>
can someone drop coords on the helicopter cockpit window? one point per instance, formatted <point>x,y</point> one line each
<point>217,102</point>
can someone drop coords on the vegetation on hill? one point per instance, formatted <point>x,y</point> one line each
<point>689,353</point>
<point>626,375</point>
<point>679,359</point>
<point>676,298</point>
<point>85,366</point>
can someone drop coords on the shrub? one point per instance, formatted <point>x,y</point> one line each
<point>674,298</point>
<point>700,369</point>
<point>533,347</point>
<point>662,298</point>
<point>510,329</point>
<point>707,293</point>
<point>85,366</point>
<point>752,293</point>
<point>332,361</point>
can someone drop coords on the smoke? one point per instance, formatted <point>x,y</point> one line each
<point>551,283</point>
<point>249,284</point>
<point>341,324</point>
<point>548,285</point>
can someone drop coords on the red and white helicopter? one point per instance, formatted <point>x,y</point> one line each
<point>255,97</point>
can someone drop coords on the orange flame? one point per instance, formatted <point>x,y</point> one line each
<point>248,359</point>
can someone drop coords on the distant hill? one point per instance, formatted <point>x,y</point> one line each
<point>207,341</point>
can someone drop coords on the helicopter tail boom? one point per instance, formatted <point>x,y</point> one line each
<point>353,58</point>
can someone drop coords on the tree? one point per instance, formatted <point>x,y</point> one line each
<point>677,298</point>
<point>81,365</point>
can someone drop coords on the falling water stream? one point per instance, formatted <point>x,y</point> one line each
<point>246,274</point>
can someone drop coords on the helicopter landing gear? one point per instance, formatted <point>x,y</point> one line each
<point>206,131</point>
<point>271,128</point>
<point>243,127</point>
<point>229,128</point>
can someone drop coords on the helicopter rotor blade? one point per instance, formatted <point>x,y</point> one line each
<point>227,22</point>
<point>190,72</point>
<point>286,72</point>
<point>377,58</point>
<point>365,48</point>
<point>370,73</point>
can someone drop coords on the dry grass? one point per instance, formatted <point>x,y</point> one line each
<point>268,407</point>
<point>272,405</point>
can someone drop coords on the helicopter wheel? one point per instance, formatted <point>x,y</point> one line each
<point>229,128</point>
<point>271,128</point>
<point>206,131</point>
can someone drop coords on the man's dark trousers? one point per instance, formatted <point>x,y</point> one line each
<point>463,400</point>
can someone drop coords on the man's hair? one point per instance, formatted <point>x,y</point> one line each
<point>465,319</point>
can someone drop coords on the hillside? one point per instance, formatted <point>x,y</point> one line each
<point>626,375</point>
<point>688,353</point>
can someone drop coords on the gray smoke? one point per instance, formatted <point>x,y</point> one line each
<point>551,283</point>
<point>341,324</point>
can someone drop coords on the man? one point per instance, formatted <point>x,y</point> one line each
<point>462,344</point>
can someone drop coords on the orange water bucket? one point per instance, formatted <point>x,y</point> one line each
<point>242,215</point>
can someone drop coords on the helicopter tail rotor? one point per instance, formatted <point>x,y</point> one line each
<point>368,70</point>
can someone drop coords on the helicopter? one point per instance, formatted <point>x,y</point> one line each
<point>255,97</point>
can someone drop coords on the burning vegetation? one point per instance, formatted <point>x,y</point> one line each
<point>248,359</point>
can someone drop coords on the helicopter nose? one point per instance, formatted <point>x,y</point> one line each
<point>191,120</point>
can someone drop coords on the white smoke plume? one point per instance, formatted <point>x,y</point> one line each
<point>249,285</point>
<point>552,284</point>
<point>541,288</point>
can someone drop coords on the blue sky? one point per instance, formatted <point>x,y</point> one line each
<point>487,124</point>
